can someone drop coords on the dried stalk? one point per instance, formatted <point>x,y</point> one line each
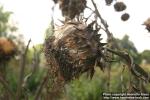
<point>109,34</point>
<point>121,78</point>
<point>36,60</point>
<point>22,67</point>
<point>109,40</point>
<point>135,69</point>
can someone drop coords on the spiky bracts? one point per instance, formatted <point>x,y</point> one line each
<point>147,24</point>
<point>76,48</point>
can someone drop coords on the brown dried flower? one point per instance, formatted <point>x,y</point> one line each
<point>108,2</point>
<point>125,17</point>
<point>7,48</point>
<point>76,48</point>
<point>147,24</point>
<point>72,8</point>
<point>119,6</point>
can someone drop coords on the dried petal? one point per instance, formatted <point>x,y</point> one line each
<point>73,57</point>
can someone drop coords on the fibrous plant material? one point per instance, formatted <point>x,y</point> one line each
<point>125,17</point>
<point>147,24</point>
<point>71,8</point>
<point>119,6</point>
<point>76,48</point>
<point>7,49</point>
<point>108,2</point>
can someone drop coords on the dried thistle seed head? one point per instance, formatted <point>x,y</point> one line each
<point>108,2</point>
<point>76,49</point>
<point>7,48</point>
<point>72,8</point>
<point>147,24</point>
<point>125,17</point>
<point>55,1</point>
<point>119,6</point>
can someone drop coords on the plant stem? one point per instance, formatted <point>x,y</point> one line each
<point>21,76</point>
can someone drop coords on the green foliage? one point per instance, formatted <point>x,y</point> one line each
<point>34,80</point>
<point>80,89</point>
<point>4,16</point>
<point>85,89</point>
<point>126,44</point>
<point>12,77</point>
<point>49,31</point>
<point>145,55</point>
<point>5,26</point>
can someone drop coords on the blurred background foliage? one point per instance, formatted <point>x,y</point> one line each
<point>35,69</point>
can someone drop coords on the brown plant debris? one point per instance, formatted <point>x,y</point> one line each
<point>147,24</point>
<point>76,48</point>
<point>119,6</point>
<point>71,8</point>
<point>7,49</point>
<point>108,2</point>
<point>125,17</point>
<point>55,1</point>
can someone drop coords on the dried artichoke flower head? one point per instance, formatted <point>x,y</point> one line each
<point>55,1</point>
<point>119,6</point>
<point>125,17</point>
<point>108,2</point>
<point>7,49</point>
<point>76,49</point>
<point>72,8</point>
<point>147,24</point>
